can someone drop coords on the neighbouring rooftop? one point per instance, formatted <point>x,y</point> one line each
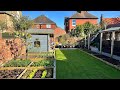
<point>83,14</point>
<point>43,20</point>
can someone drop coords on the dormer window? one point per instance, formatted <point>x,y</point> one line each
<point>73,22</point>
<point>48,26</point>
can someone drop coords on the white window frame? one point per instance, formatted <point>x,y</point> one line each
<point>48,26</point>
<point>73,22</point>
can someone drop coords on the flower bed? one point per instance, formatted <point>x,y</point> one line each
<point>10,74</point>
<point>17,63</point>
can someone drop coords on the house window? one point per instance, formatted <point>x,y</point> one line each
<point>37,44</point>
<point>48,26</point>
<point>73,22</point>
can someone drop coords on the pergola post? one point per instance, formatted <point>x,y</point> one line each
<point>101,35</point>
<point>85,40</point>
<point>89,41</point>
<point>112,42</point>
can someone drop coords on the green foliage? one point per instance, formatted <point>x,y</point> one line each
<point>84,29</point>
<point>24,23</point>
<point>88,27</point>
<point>17,63</point>
<point>43,63</point>
<point>64,39</point>
<point>7,35</point>
<point>44,74</point>
<point>3,26</point>
<point>31,75</point>
<point>21,25</point>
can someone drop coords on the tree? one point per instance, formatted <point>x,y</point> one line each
<point>20,26</point>
<point>103,24</point>
<point>80,30</point>
<point>3,26</point>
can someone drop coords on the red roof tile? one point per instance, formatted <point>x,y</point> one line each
<point>112,22</point>
<point>59,31</point>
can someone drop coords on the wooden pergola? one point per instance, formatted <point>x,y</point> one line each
<point>109,37</point>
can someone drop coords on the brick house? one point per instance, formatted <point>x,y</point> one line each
<point>42,22</point>
<point>79,18</point>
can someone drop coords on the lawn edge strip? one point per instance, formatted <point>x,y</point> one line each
<point>101,60</point>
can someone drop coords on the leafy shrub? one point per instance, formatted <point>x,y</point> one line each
<point>17,63</point>
<point>31,75</point>
<point>44,74</point>
<point>43,63</point>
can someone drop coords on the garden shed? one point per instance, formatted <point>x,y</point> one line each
<point>40,40</point>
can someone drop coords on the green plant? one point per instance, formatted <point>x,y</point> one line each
<point>44,74</point>
<point>31,75</point>
<point>43,63</point>
<point>17,63</point>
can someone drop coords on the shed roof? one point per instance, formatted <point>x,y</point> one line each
<point>40,31</point>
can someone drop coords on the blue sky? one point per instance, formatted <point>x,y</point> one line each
<point>58,16</point>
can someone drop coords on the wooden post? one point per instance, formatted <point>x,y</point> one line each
<point>88,41</point>
<point>112,43</point>
<point>85,40</point>
<point>101,35</point>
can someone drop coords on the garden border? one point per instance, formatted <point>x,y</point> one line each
<point>118,68</point>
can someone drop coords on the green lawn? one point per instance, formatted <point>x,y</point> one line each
<point>76,64</point>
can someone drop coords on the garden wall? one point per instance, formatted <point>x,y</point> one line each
<point>11,48</point>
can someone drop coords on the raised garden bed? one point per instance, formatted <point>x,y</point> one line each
<point>38,74</point>
<point>17,63</point>
<point>41,56</point>
<point>10,74</point>
<point>43,63</point>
